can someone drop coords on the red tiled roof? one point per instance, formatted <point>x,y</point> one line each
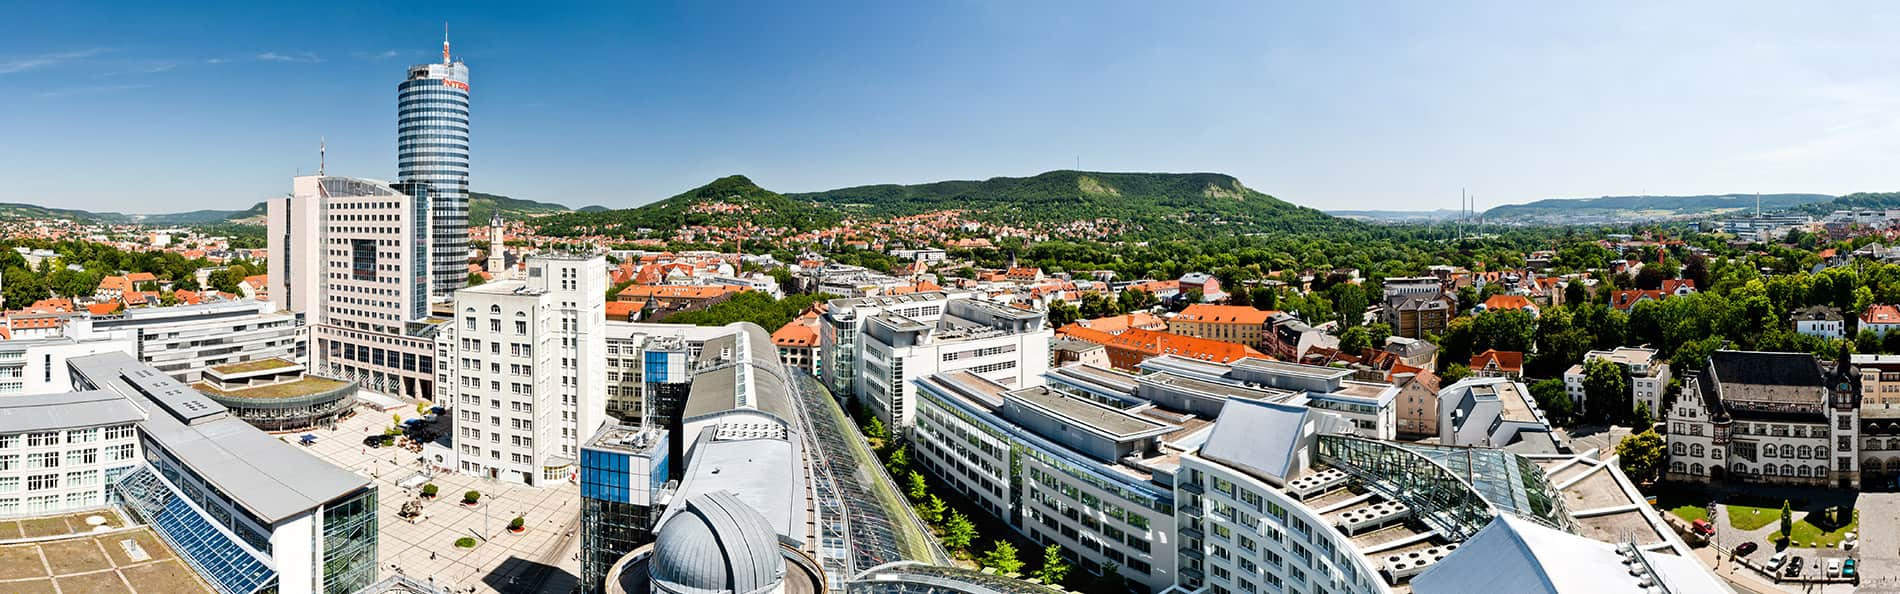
<point>1507,302</point>
<point>801,332</point>
<point>1224,314</point>
<point>1627,298</point>
<point>1880,314</point>
<point>643,292</point>
<point>624,310</point>
<point>1163,343</point>
<point>1509,361</point>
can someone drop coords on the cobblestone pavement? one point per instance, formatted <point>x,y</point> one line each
<point>539,559</point>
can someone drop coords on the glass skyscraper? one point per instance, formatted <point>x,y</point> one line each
<point>432,148</point>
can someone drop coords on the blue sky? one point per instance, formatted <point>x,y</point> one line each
<point>146,107</point>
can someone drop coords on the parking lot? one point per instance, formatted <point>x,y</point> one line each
<point>541,558</point>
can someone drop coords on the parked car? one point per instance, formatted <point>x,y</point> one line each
<point>1794,566</point>
<point>1702,527</point>
<point>1849,569</point>
<point>1742,550</point>
<point>1775,562</point>
<point>1834,567</point>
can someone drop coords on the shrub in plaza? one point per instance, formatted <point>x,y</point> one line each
<point>516,524</point>
<point>465,542</point>
<point>429,490</point>
<point>471,497</point>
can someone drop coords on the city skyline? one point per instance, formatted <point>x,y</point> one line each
<point>1297,102</point>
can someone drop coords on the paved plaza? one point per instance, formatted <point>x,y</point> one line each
<point>539,559</point>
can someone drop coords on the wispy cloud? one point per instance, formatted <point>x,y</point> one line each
<point>376,56</point>
<point>145,67</point>
<point>217,60</point>
<point>298,57</point>
<point>92,90</point>
<point>13,65</point>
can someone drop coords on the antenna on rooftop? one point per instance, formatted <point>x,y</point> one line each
<point>445,42</point>
<point>320,155</point>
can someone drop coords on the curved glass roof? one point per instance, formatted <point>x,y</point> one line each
<point>1456,490</point>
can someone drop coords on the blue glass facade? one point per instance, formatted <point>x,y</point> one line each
<point>655,367</point>
<point>215,553</point>
<point>432,148</point>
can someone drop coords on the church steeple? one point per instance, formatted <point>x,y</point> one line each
<point>497,248</point>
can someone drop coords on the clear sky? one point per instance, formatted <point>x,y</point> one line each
<point>162,107</point>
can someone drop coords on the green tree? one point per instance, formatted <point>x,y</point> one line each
<point>1453,373</point>
<point>899,461</point>
<point>1642,418</point>
<point>1002,557</point>
<point>958,531</point>
<point>932,509</point>
<point>1605,390</point>
<point>1054,567</point>
<point>475,279</point>
<point>1264,298</point>
<point>915,487</point>
<point>874,429</point>
<point>1641,455</point>
<point>1061,313</point>
<point>1356,340</point>
<point>1787,519</point>
<point>1554,398</point>
<point>1350,301</point>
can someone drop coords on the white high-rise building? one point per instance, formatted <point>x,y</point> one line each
<point>359,272</point>
<point>531,386</point>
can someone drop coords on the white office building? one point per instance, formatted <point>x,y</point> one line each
<point>369,243</point>
<point>530,383</point>
<point>1648,377</point>
<point>874,346</point>
<point>38,365</point>
<point>184,340</point>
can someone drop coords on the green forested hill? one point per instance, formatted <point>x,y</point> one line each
<point>482,206</point>
<point>725,201</point>
<point>1141,204</point>
<point>1145,200</point>
<point>1649,207</point>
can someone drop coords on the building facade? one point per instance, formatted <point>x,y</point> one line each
<point>1782,418</point>
<point>1648,377</point>
<point>432,149</point>
<point>623,473</point>
<point>1231,323</point>
<point>895,339</point>
<point>530,384</point>
<point>184,340</point>
<point>371,324</point>
<point>247,511</point>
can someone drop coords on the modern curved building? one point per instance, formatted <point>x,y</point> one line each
<point>432,148</point>
<point>717,543</point>
<point>277,395</point>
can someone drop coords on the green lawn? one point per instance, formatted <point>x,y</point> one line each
<point>1746,517</point>
<point>1690,513</point>
<point>1685,504</point>
<point>1805,533</point>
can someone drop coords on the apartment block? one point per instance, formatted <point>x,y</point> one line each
<point>528,355</point>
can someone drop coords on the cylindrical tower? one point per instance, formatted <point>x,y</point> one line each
<point>432,148</point>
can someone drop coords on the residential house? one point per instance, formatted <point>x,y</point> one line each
<point>1880,319</point>
<point>1496,363</point>
<point>1821,321</point>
